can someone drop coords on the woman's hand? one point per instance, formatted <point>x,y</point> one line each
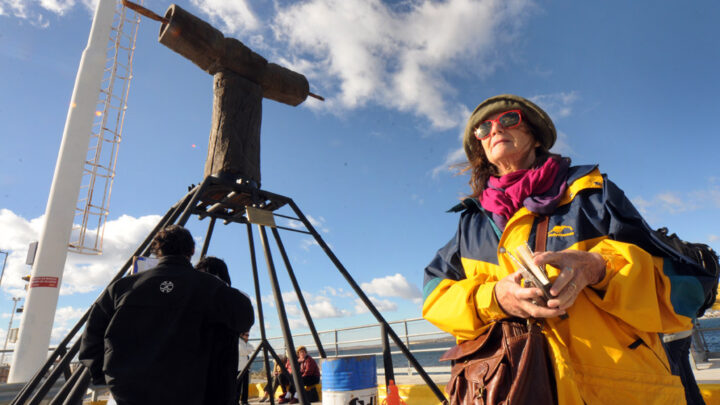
<point>579,269</point>
<point>517,300</point>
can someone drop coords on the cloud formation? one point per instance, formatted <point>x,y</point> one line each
<point>319,306</point>
<point>399,56</point>
<point>557,105</point>
<point>36,12</point>
<point>380,305</point>
<point>393,286</point>
<point>230,16</point>
<point>672,202</point>
<point>402,56</point>
<point>82,273</point>
<point>65,320</point>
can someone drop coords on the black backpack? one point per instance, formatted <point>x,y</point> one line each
<point>703,256</point>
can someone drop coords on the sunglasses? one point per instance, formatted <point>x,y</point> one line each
<point>507,120</point>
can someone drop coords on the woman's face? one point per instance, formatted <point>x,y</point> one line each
<point>509,149</point>
<point>301,354</point>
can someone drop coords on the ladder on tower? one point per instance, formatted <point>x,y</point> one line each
<point>93,203</point>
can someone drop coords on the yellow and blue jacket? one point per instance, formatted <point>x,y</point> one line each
<point>608,350</point>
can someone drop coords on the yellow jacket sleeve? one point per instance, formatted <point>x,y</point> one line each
<point>463,307</point>
<point>636,289</point>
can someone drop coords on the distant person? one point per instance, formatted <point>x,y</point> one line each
<point>146,335</point>
<point>222,387</point>
<point>280,379</point>
<point>245,349</point>
<point>309,374</point>
<point>619,287</point>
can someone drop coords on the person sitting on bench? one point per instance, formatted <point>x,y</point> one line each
<point>310,374</point>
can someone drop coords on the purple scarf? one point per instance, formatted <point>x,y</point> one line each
<point>539,190</point>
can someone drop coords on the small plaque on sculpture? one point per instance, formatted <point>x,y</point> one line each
<point>260,217</point>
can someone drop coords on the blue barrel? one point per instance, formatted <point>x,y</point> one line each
<point>349,373</point>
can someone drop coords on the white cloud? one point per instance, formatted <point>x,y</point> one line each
<point>82,273</point>
<point>233,17</point>
<point>392,286</point>
<point>319,306</point>
<point>561,146</point>
<point>667,202</point>
<point>642,205</point>
<point>307,243</point>
<point>317,223</point>
<point>673,203</point>
<point>713,238</point>
<point>65,320</point>
<point>452,160</point>
<point>59,7</point>
<point>403,56</point>
<point>326,309</point>
<point>297,323</point>
<point>68,314</point>
<point>557,105</point>
<point>380,305</point>
<point>15,8</point>
<point>670,202</point>
<point>336,292</point>
<point>291,296</point>
<point>398,56</point>
<point>35,11</point>
<point>293,310</point>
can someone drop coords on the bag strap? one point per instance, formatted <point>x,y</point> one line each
<point>541,234</point>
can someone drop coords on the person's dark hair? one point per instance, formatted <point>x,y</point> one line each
<point>173,240</point>
<point>214,266</point>
<point>481,169</point>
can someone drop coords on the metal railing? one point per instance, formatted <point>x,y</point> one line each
<point>702,338</point>
<point>426,342</point>
<point>417,333</point>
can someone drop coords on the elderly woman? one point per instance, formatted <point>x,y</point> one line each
<point>607,273</point>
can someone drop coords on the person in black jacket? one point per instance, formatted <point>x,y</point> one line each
<point>222,387</point>
<point>147,335</point>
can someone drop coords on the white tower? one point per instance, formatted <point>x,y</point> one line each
<point>96,112</point>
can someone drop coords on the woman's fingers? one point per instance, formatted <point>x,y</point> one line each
<point>521,301</point>
<point>589,266</point>
<point>580,269</point>
<point>565,277</point>
<point>567,296</point>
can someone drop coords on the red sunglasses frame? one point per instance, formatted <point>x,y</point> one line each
<point>497,120</point>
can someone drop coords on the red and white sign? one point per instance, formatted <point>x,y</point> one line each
<point>44,282</point>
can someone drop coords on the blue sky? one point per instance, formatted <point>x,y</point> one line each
<point>630,85</point>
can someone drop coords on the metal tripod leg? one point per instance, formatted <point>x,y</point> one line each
<point>298,292</point>
<point>283,318</point>
<point>368,303</point>
<point>261,317</point>
<point>208,235</point>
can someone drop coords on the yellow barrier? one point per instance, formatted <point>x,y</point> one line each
<point>710,393</point>
<point>422,395</point>
<point>412,394</point>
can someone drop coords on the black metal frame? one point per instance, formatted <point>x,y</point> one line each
<point>225,199</point>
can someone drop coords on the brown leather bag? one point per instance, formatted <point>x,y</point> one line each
<point>508,364</point>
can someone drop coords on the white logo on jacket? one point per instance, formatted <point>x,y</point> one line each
<point>166,286</point>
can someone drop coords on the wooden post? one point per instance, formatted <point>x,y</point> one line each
<point>242,78</point>
<point>234,146</point>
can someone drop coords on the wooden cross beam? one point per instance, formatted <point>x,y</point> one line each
<point>242,78</point>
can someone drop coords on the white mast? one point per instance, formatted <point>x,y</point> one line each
<point>32,348</point>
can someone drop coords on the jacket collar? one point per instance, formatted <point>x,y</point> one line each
<point>175,260</point>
